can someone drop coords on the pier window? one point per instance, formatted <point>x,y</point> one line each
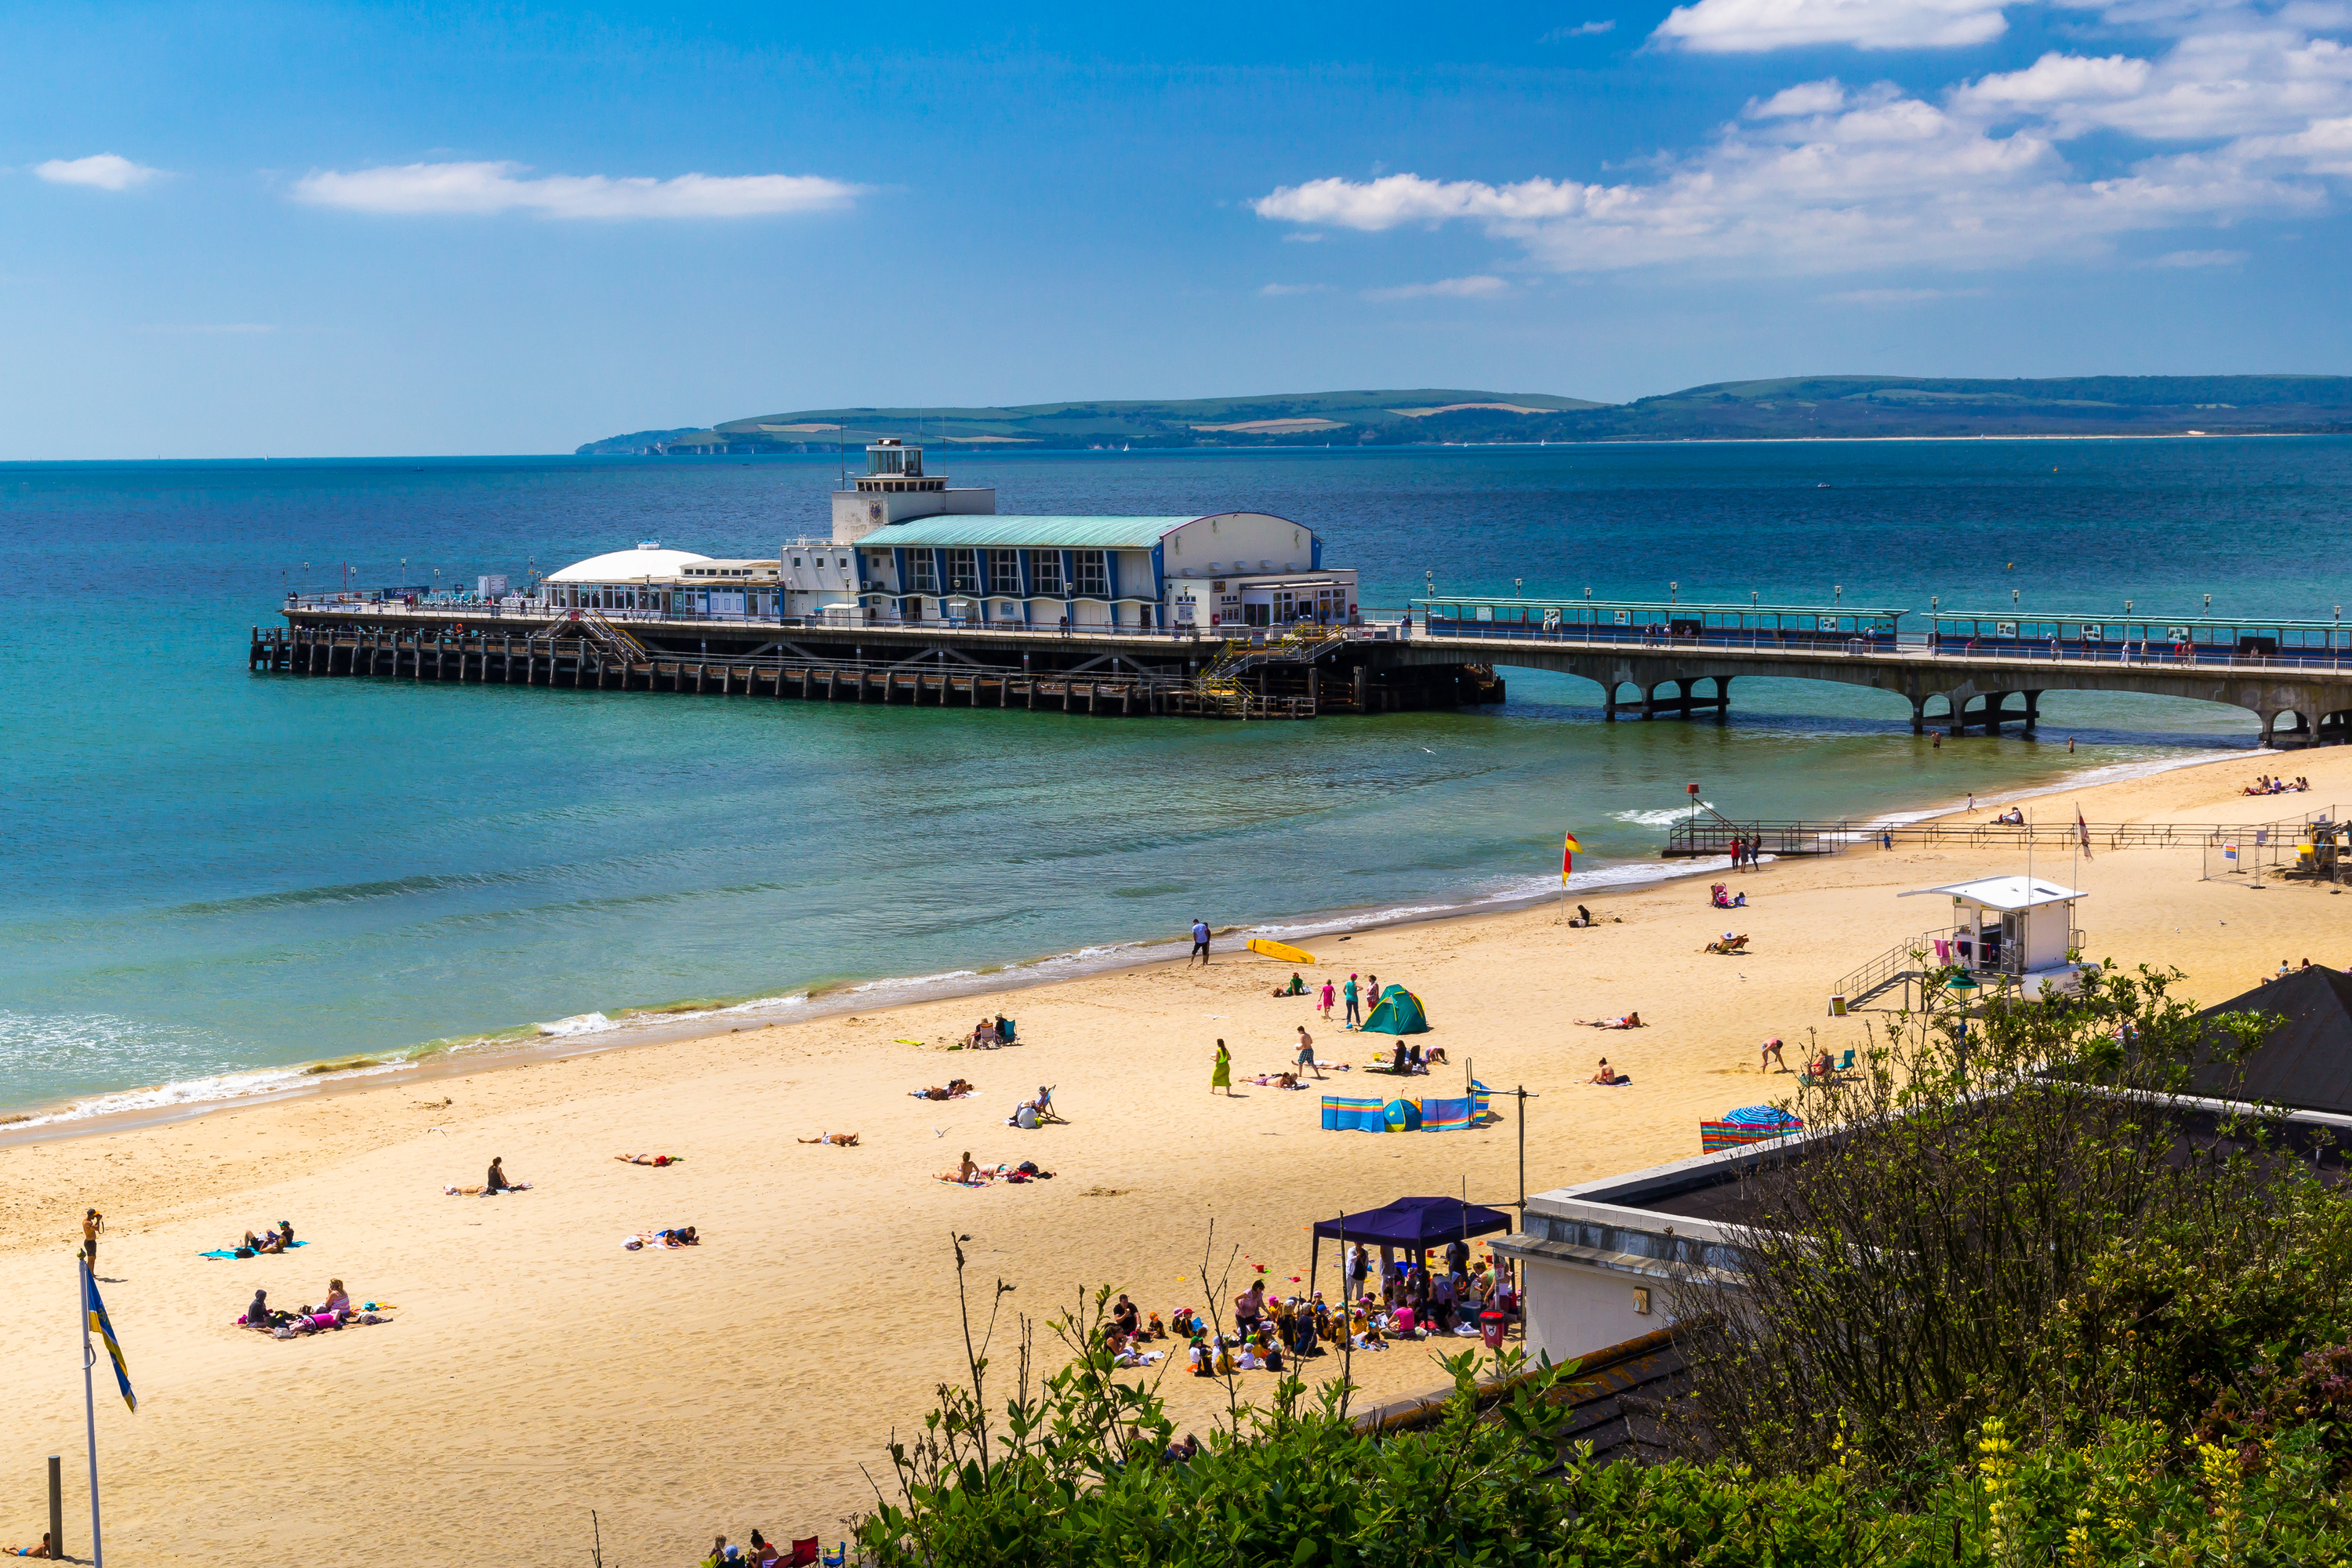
<point>1045,571</point>
<point>963,571</point>
<point>1004,572</point>
<point>920,577</point>
<point>1094,575</point>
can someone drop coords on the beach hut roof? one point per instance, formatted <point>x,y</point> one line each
<point>1424,1223</point>
<point>2306,1061</point>
<point>2007,894</point>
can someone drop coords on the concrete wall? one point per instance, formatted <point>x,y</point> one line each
<point>1572,1308</point>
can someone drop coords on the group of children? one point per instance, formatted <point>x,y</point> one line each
<point>1413,1302</point>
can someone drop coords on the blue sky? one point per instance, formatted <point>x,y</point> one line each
<point>229,230</point>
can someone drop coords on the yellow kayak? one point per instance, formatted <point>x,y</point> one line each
<point>1278,950</point>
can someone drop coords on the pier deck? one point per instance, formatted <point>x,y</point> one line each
<point>2302,696</point>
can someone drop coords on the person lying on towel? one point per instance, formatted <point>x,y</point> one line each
<point>650,1159</point>
<point>1609,1077</point>
<point>839,1140</point>
<point>1630,1021</point>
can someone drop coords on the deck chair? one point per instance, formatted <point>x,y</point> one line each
<point>1045,1112</point>
<point>803,1554</point>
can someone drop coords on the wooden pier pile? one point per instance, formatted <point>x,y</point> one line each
<point>605,663</point>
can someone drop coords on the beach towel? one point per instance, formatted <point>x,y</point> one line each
<point>234,1252</point>
<point>1354,1113</point>
<point>475,1192</point>
<point>1446,1115</point>
<point>1403,1115</point>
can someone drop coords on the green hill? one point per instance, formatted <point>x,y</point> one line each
<point>1795,407</point>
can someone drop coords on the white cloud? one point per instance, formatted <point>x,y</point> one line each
<point>2236,83</point>
<point>1807,97</point>
<point>1393,199</point>
<point>1882,179</point>
<point>1753,27</point>
<point>1278,291</point>
<point>103,170</point>
<point>1479,288</point>
<point>2196,258</point>
<point>482,188</point>
<point>1583,30</point>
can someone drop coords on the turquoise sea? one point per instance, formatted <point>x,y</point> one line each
<point>210,879</point>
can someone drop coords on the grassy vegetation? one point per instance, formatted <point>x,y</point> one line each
<point>1840,406</point>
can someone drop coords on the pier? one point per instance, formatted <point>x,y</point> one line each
<point>1092,670</point>
<point>1961,673</point>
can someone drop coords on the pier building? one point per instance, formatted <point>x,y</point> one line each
<point>909,550</point>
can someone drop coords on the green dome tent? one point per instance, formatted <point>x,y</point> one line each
<point>1399,1012</point>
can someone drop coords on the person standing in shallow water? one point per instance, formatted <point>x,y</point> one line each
<point>1222,1075</point>
<point>1200,944</point>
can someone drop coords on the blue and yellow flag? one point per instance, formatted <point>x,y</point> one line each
<point>96,1310</point>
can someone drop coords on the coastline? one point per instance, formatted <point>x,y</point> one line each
<point>1162,1188</point>
<point>596,1032</point>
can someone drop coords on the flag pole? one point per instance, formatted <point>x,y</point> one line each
<point>89,1411</point>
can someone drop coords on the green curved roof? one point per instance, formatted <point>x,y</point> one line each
<point>1001,532</point>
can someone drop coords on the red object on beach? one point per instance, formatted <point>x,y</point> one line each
<point>1490,1329</point>
<point>803,1554</point>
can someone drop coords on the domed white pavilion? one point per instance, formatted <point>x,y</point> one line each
<point>648,561</point>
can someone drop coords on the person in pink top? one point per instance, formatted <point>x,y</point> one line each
<point>1330,995</point>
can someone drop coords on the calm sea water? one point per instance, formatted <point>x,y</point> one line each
<point>208,878</point>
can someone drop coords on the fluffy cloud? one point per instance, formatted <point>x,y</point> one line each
<point>2243,112</point>
<point>1393,199</point>
<point>2194,258</point>
<point>1754,26</point>
<point>1822,179</point>
<point>103,170</point>
<point>2228,83</point>
<point>1479,288</point>
<point>481,188</point>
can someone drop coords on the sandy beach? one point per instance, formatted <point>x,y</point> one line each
<point>534,1370</point>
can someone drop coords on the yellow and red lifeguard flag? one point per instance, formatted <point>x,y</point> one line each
<point>1567,848</point>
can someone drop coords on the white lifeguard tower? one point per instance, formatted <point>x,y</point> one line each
<point>2018,927</point>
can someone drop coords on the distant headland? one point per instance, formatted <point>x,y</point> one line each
<point>1794,407</point>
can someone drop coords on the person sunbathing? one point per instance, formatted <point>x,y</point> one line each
<point>986,1035</point>
<point>955,1089</point>
<point>1630,1021</point>
<point>1608,1077</point>
<point>40,1550</point>
<point>338,1301</point>
<point>966,1173</point>
<point>683,1235</point>
<point>256,1311</point>
<point>649,1159</point>
<point>839,1140</point>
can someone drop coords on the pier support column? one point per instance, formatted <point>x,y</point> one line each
<point>1919,715</point>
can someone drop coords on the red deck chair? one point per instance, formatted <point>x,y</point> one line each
<point>803,1554</point>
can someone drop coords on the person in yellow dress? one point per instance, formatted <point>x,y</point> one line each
<point>1222,1076</point>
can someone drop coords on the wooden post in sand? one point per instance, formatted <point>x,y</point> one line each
<point>56,1505</point>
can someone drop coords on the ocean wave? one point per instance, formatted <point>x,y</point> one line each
<point>1666,818</point>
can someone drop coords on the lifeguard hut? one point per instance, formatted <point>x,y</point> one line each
<point>2017,927</point>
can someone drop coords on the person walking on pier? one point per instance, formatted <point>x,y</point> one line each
<point>1200,944</point>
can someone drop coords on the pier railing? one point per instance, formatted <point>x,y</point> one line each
<point>1928,646</point>
<point>1707,836</point>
